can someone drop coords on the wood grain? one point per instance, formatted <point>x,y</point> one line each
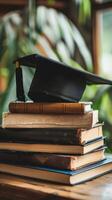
<point>12,188</point>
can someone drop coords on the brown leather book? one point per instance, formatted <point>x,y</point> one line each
<point>58,108</point>
<point>58,161</point>
<point>15,120</point>
<point>53,148</point>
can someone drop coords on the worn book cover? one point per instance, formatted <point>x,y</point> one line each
<point>15,120</point>
<point>59,108</point>
<point>51,135</point>
<point>58,161</point>
<point>53,148</point>
<point>60,176</point>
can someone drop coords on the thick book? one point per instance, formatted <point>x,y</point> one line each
<point>59,108</point>
<point>58,161</point>
<point>59,176</point>
<point>53,148</point>
<point>15,120</point>
<point>51,135</point>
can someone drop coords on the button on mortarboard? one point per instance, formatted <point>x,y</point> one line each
<point>56,82</point>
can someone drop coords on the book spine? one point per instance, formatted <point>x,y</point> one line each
<point>45,136</point>
<point>59,108</point>
<point>32,159</point>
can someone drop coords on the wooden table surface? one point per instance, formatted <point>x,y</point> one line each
<point>14,188</point>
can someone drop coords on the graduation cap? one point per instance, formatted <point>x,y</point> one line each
<point>54,81</point>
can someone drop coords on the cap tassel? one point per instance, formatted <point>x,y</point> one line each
<point>19,83</point>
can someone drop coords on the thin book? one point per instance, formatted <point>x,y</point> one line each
<point>53,148</point>
<point>48,108</point>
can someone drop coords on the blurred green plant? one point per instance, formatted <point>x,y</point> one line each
<point>101,96</point>
<point>84,10</point>
<point>54,36</point>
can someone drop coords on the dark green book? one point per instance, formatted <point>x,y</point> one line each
<point>67,136</point>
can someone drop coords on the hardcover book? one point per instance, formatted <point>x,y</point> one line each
<point>15,120</point>
<point>53,148</point>
<point>58,161</point>
<point>59,176</point>
<point>51,135</point>
<point>58,108</point>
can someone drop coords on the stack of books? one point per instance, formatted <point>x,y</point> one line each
<point>59,142</point>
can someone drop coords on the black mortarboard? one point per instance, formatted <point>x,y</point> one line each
<point>54,81</point>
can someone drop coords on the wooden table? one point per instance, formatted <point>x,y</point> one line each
<point>13,188</point>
